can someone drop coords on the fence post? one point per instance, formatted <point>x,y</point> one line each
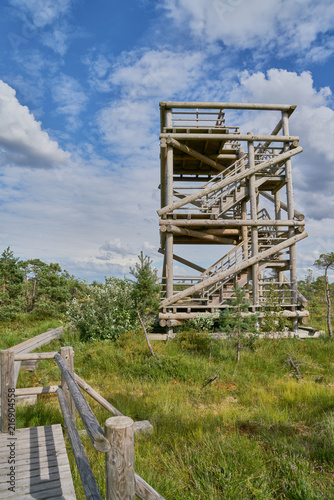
<point>120,471</point>
<point>67,354</point>
<point>7,391</point>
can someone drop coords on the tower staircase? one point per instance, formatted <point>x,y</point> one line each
<point>226,209</point>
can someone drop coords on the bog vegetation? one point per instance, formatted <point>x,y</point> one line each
<point>262,428</point>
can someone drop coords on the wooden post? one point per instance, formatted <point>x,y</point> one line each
<point>119,464</point>
<point>7,392</point>
<point>289,200</point>
<point>254,229</point>
<point>67,354</point>
<point>278,215</point>
<point>169,201</point>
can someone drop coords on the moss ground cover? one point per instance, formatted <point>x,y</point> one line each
<point>255,432</point>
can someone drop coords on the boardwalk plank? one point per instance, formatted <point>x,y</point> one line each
<point>42,470</point>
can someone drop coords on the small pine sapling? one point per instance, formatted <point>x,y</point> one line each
<point>145,289</point>
<point>236,319</point>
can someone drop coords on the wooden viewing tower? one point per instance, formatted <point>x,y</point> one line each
<point>221,187</point>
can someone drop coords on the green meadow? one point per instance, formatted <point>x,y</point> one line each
<point>257,429</point>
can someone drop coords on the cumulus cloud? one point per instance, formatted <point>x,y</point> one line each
<point>131,122</point>
<point>262,25</point>
<point>128,126</point>
<point>22,140</point>
<point>313,122</point>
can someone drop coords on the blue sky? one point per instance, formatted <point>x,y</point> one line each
<point>80,85</point>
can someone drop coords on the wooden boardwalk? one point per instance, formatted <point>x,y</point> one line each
<point>40,466</point>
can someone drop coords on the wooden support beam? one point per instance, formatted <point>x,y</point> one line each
<point>199,234</point>
<point>95,395</point>
<point>274,132</point>
<point>230,222</point>
<point>120,460</point>
<point>8,421</point>
<point>181,316</point>
<point>291,211</point>
<point>93,428</point>
<point>278,214</point>
<point>169,264</point>
<point>86,474</point>
<point>169,199</point>
<point>144,491</point>
<point>182,196</point>
<point>195,154</point>
<point>253,197</point>
<point>163,159</point>
<point>284,206</point>
<point>293,139</point>
<point>31,391</point>
<point>39,340</point>
<point>31,344</point>
<point>34,355</point>
<point>233,270</point>
<point>185,262</point>
<point>228,105</point>
<point>140,426</point>
<point>225,182</point>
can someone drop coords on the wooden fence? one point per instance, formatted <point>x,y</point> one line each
<point>116,441</point>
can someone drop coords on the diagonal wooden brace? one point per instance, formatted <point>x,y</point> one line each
<point>233,178</point>
<point>233,270</point>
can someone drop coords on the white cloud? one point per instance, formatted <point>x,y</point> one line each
<point>42,13</point>
<point>69,96</point>
<point>147,73</point>
<point>128,126</point>
<point>313,170</point>
<point>131,123</point>
<point>261,25</point>
<point>57,40</point>
<point>313,121</point>
<point>22,140</point>
<point>157,73</point>
<point>281,86</point>
<point>92,220</point>
<point>98,66</point>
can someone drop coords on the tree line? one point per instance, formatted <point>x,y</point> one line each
<point>103,310</point>
<point>97,310</point>
<point>35,287</point>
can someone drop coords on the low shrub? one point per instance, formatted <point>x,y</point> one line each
<point>106,312</point>
<point>194,341</point>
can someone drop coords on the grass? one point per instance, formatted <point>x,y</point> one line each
<point>256,432</point>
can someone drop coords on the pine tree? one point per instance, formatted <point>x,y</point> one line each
<point>11,279</point>
<point>236,319</point>
<point>145,288</point>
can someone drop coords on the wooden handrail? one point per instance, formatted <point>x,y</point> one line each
<point>100,442</point>
<point>93,428</point>
<point>34,355</point>
<point>86,474</point>
<point>141,426</point>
